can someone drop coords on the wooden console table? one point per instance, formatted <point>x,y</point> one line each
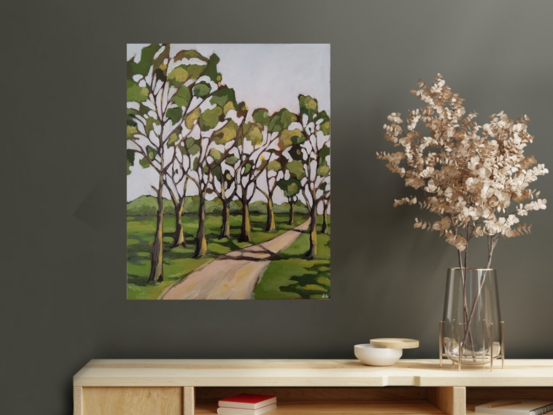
<point>177,387</point>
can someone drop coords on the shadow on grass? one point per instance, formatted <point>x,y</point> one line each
<point>137,280</point>
<point>179,261</point>
<point>229,243</point>
<point>293,276</point>
<point>139,252</point>
<point>311,283</point>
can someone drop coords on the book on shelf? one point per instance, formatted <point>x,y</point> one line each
<point>243,411</point>
<point>247,404</point>
<point>516,407</point>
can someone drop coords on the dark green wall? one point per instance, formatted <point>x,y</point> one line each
<point>62,295</point>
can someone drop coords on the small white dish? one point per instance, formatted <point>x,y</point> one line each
<point>376,356</point>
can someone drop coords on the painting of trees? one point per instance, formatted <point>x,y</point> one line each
<point>216,133</point>
<point>274,160</point>
<point>314,153</point>
<point>231,178</point>
<point>224,183</point>
<point>159,90</point>
<point>251,145</point>
<point>290,188</point>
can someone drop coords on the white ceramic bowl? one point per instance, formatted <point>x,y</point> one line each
<point>376,356</point>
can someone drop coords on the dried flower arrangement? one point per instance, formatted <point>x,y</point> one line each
<point>475,178</point>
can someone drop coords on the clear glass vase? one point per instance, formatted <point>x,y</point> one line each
<point>471,331</point>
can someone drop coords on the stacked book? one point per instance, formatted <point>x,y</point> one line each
<point>246,404</point>
<point>516,407</point>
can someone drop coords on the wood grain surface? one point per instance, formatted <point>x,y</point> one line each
<point>133,401</point>
<point>308,373</point>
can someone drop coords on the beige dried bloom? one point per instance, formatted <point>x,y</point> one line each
<point>475,178</point>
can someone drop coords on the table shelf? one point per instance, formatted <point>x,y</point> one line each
<point>319,387</point>
<point>334,408</point>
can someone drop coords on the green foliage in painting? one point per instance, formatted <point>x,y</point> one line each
<point>189,54</point>
<point>210,118</point>
<point>131,132</point>
<point>174,114</point>
<point>296,153</point>
<point>152,152</point>
<point>281,120</point>
<point>130,160</point>
<point>324,152</point>
<point>144,162</point>
<point>182,97</point>
<point>296,169</point>
<point>323,170</point>
<point>261,116</point>
<point>288,138</point>
<point>151,124</point>
<point>173,139</point>
<point>216,154</point>
<point>290,187</point>
<point>223,97</point>
<point>211,68</point>
<point>136,93</point>
<point>274,165</point>
<point>308,106</point>
<point>191,146</point>
<point>254,133</point>
<point>191,118</point>
<point>323,120</point>
<point>178,76</point>
<point>248,168</point>
<point>201,89</point>
<point>144,64</point>
<point>232,160</point>
<point>226,133</point>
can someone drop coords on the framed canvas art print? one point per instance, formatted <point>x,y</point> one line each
<point>228,171</point>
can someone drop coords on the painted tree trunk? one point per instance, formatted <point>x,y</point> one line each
<point>178,236</point>
<point>225,228</point>
<point>270,225</point>
<point>312,253</point>
<point>156,267</point>
<point>324,228</point>
<point>246,230</point>
<point>201,240</point>
<point>291,218</point>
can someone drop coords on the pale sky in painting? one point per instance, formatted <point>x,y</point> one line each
<point>263,75</point>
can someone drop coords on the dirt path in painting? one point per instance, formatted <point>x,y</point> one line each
<point>232,276</point>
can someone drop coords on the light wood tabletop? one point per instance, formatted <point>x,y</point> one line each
<point>308,373</point>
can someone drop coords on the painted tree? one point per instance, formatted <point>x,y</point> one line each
<point>290,188</point>
<point>248,152</point>
<point>272,170</point>
<point>273,159</point>
<point>176,182</point>
<point>225,187</point>
<point>216,137</point>
<point>315,156</point>
<point>184,146</point>
<point>177,177</point>
<point>256,138</point>
<point>159,97</point>
<point>325,200</point>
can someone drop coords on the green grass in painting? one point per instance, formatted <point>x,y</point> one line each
<point>292,276</point>
<point>179,261</point>
<point>147,206</point>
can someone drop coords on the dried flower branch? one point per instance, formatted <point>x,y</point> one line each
<point>475,178</point>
